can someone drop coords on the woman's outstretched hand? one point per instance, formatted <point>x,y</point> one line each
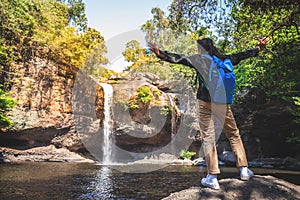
<point>262,43</point>
<point>153,47</point>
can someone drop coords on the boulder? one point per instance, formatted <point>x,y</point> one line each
<point>259,187</point>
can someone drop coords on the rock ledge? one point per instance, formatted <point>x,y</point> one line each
<point>259,187</point>
<point>41,154</point>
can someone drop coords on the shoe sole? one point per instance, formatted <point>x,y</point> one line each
<point>246,178</point>
<point>206,185</point>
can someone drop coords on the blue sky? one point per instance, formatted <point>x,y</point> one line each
<point>112,17</point>
<point>119,21</point>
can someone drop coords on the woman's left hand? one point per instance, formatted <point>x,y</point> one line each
<point>263,43</point>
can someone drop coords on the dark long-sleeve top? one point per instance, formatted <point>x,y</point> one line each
<point>202,64</point>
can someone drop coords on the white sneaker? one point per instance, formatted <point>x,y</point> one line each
<point>246,173</point>
<point>210,181</point>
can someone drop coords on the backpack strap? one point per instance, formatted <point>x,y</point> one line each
<point>211,67</point>
<point>209,73</point>
<point>202,80</point>
<point>207,56</point>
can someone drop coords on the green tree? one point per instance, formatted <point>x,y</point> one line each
<point>73,47</point>
<point>160,30</point>
<point>198,16</point>
<point>276,72</point>
<point>27,24</point>
<point>51,29</point>
<point>76,13</point>
<point>94,61</point>
<point>137,55</point>
<point>237,25</point>
<point>133,51</point>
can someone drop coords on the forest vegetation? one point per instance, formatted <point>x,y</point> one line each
<point>59,30</point>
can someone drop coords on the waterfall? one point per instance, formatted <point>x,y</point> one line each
<point>172,149</point>
<point>107,143</point>
<point>173,119</point>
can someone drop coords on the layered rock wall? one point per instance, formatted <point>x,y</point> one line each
<point>44,115</point>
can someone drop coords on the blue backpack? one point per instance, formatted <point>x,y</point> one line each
<point>221,80</point>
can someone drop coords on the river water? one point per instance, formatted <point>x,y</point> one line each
<point>90,181</point>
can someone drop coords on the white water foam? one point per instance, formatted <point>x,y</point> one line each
<point>107,157</point>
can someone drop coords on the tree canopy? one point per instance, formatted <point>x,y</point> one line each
<point>235,26</point>
<point>56,28</point>
<point>58,25</point>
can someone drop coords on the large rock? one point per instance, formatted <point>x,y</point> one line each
<point>145,128</point>
<point>259,187</point>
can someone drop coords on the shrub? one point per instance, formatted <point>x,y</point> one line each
<point>144,94</point>
<point>187,154</point>
<point>6,104</point>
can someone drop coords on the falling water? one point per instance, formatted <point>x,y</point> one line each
<point>107,143</point>
<point>173,120</point>
<point>172,149</point>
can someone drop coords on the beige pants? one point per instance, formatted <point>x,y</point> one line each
<point>208,113</point>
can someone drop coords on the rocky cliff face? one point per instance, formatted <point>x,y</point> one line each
<point>43,116</point>
<point>143,127</point>
<point>58,106</point>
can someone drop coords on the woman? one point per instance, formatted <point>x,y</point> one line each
<point>207,108</point>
